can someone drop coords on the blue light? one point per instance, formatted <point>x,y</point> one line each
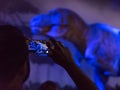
<point>40,20</point>
<point>106,27</point>
<point>98,81</point>
<point>104,50</point>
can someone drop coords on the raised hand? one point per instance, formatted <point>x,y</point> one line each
<point>60,54</point>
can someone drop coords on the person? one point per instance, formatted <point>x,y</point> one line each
<point>14,63</point>
<point>49,85</point>
<point>14,66</point>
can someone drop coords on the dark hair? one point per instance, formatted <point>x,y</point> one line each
<point>48,85</point>
<point>13,51</point>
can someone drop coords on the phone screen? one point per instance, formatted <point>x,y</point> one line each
<point>38,46</point>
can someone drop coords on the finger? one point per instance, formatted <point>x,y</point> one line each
<point>55,44</point>
<point>50,54</point>
<point>53,41</point>
<point>50,45</point>
<point>61,44</point>
<point>67,50</point>
<point>51,49</point>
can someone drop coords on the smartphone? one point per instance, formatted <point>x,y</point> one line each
<point>38,47</point>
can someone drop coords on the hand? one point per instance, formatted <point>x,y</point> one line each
<point>60,54</point>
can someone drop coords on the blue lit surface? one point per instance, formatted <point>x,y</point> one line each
<point>106,27</point>
<point>40,20</point>
<point>54,19</point>
<point>104,45</point>
<point>99,80</point>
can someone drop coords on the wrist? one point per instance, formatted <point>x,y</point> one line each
<point>70,65</point>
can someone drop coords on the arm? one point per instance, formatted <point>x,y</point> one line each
<point>63,57</point>
<point>82,82</point>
